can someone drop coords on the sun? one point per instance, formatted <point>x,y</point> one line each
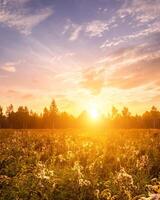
<point>94,114</point>
<point>94,110</point>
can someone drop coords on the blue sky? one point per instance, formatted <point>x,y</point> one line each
<point>80,52</point>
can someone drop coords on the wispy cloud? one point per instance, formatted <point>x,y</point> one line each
<point>133,66</point>
<point>135,75</point>
<point>150,30</point>
<point>19,94</point>
<point>141,18</point>
<point>75,33</point>
<point>126,68</point>
<point>9,67</point>
<point>62,56</point>
<point>96,28</point>
<point>102,10</point>
<point>72,29</point>
<point>16,15</point>
<point>141,10</point>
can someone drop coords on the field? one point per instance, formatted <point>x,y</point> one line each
<point>79,165</point>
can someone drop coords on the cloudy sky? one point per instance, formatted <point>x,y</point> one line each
<point>80,52</point>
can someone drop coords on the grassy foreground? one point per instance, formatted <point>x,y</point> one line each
<point>76,165</point>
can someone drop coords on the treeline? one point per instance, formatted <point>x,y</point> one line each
<point>23,118</point>
<point>51,118</point>
<point>124,119</point>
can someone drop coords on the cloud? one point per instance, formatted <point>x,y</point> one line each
<point>9,67</point>
<point>15,14</point>
<point>156,98</point>
<point>12,92</point>
<point>20,95</point>
<point>61,57</point>
<point>27,96</point>
<point>75,33</point>
<point>72,30</point>
<point>152,29</point>
<point>102,10</point>
<point>126,68</point>
<point>141,17</point>
<point>134,66</point>
<point>136,75</point>
<point>132,54</point>
<point>143,11</point>
<point>96,28</point>
<point>93,80</point>
<point>115,42</point>
<point>139,12</point>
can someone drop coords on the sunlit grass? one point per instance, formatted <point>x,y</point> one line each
<point>51,164</point>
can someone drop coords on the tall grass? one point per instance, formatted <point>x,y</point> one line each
<point>79,165</point>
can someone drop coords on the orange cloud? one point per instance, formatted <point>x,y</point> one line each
<point>93,79</point>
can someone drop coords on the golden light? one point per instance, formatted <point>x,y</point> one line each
<point>94,114</point>
<point>94,109</point>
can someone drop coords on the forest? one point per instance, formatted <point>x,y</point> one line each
<point>52,118</point>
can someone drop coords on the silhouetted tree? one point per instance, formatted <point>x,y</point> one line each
<point>114,112</point>
<point>45,118</point>
<point>10,116</point>
<point>1,117</point>
<point>52,118</point>
<point>125,112</point>
<point>53,113</point>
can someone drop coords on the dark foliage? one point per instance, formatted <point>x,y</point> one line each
<point>52,118</point>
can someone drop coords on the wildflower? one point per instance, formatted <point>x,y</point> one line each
<point>151,197</point>
<point>154,181</point>
<point>106,194</point>
<point>125,178</point>
<point>114,197</point>
<point>96,193</point>
<point>155,197</point>
<point>83,182</point>
<point>4,179</point>
<point>78,168</point>
<point>43,172</point>
<point>142,162</point>
<point>70,155</point>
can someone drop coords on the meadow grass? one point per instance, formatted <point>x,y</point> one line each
<point>79,165</point>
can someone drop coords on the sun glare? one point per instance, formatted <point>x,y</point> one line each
<point>93,110</point>
<point>94,113</point>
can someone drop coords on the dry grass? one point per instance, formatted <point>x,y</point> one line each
<point>79,165</point>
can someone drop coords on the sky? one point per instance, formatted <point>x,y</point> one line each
<point>82,53</point>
